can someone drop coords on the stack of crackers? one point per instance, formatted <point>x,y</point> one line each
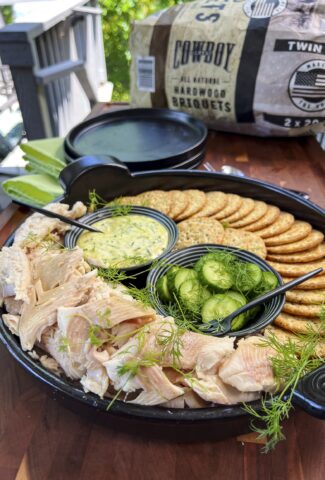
<point>291,246</point>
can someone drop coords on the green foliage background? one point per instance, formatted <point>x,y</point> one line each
<point>117,18</point>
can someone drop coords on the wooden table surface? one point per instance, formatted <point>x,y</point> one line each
<point>40,439</point>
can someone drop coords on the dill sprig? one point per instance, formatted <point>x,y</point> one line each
<point>132,366</point>
<point>113,275</point>
<point>64,344</point>
<point>292,361</point>
<point>141,295</point>
<point>169,338</point>
<point>119,209</point>
<point>95,201</point>
<point>95,336</point>
<point>181,316</point>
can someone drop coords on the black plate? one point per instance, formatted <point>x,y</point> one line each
<point>175,424</point>
<point>142,138</point>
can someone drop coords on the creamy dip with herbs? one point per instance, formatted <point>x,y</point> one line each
<point>126,241</point>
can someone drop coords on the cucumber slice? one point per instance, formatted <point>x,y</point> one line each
<point>269,281</point>
<point>253,312</point>
<point>205,294</point>
<point>237,296</point>
<point>182,275</point>
<point>218,307</point>
<point>215,256</point>
<point>171,275</point>
<point>216,276</point>
<point>248,278</point>
<point>163,290</point>
<point>243,319</point>
<point>190,292</point>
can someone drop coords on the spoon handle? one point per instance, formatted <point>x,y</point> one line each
<point>64,219</point>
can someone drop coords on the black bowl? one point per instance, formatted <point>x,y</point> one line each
<point>187,258</point>
<point>71,238</point>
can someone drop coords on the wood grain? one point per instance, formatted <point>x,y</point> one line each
<point>41,440</point>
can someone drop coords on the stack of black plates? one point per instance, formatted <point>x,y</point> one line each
<point>142,138</point>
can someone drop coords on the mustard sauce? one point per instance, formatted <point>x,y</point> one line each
<point>126,241</point>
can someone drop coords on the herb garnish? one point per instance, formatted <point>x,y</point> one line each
<point>292,361</point>
<point>64,344</point>
<point>113,275</point>
<point>96,202</point>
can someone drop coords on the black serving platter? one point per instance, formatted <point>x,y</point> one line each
<point>142,138</point>
<point>112,180</point>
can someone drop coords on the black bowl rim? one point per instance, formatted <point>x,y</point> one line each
<point>245,255</point>
<point>107,212</point>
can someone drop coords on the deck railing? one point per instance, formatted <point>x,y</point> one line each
<point>58,67</point>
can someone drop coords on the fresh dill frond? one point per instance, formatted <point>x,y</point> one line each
<point>117,394</point>
<point>113,275</point>
<point>291,362</point>
<point>181,316</point>
<point>149,359</point>
<point>120,210</point>
<point>141,295</point>
<point>64,344</point>
<point>95,336</point>
<point>142,336</point>
<point>169,338</point>
<point>322,314</point>
<point>104,317</point>
<point>212,328</point>
<point>95,201</point>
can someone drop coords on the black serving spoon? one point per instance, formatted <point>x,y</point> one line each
<point>218,328</point>
<point>64,219</point>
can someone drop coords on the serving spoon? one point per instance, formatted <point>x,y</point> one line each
<point>64,219</point>
<point>218,328</point>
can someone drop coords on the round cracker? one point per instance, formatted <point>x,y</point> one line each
<point>306,297</point>
<point>297,324</point>
<point>283,336</point>
<point>126,200</point>
<point>271,215</point>
<point>215,202</point>
<point>246,208</point>
<point>260,209</point>
<point>196,201</point>
<point>315,283</point>
<point>297,269</point>
<point>301,257</point>
<point>233,203</point>
<point>312,240</point>
<point>157,199</point>
<point>281,225</point>
<point>178,203</point>
<point>245,241</point>
<point>297,231</point>
<point>195,231</point>
<point>302,310</point>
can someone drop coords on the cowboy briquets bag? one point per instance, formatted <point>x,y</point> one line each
<point>249,66</point>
